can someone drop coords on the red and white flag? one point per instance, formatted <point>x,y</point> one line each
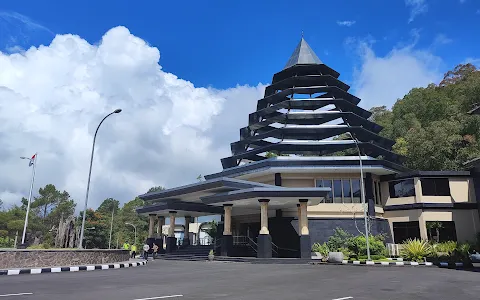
<point>32,160</point>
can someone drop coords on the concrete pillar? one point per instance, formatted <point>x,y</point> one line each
<point>299,220</point>
<point>151,226</point>
<point>227,238</point>
<point>186,233</point>
<point>418,189</point>
<point>171,240</point>
<point>264,240</point>
<point>305,245</point>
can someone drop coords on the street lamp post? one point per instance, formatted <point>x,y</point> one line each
<point>33,161</point>
<point>362,195</point>
<point>135,228</point>
<point>80,244</point>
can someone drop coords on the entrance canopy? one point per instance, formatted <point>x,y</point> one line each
<point>208,197</point>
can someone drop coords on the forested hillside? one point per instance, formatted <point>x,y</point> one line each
<point>431,126</point>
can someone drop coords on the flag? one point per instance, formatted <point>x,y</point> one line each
<point>32,160</point>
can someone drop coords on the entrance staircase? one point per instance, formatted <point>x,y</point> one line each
<point>191,253</point>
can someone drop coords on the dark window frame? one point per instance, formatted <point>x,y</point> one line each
<point>435,186</point>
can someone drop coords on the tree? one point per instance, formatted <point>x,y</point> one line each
<point>211,229</point>
<point>430,125</point>
<point>108,205</point>
<point>434,225</point>
<point>460,72</point>
<point>156,189</point>
<point>49,198</point>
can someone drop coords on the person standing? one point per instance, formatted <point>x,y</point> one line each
<point>134,251</point>
<point>126,246</point>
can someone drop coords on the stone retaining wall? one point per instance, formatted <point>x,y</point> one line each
<point>28,258</point>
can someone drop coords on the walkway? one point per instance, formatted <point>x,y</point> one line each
<point>202,280</point>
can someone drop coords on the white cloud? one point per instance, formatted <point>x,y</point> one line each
<point>17,31</point>
<point>417,7</point>
<point>381,80</point>
<point>472,60</point>
<point>346,23</point>
<point>53,97</point>
<point>441,39</point>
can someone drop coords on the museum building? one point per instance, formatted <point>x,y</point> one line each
<point>296,174</point>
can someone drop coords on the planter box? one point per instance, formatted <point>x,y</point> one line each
<point>335,257</point>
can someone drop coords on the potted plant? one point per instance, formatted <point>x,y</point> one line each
<point>211,256</point>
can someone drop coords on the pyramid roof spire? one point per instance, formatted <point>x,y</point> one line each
<point>303,55</point>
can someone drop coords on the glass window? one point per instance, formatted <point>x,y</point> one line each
<point>403,231</point>
<point>356,190</point>
<point>435,186</point>
<point>378,197</point>
<point>380,192</point>
<point>337,191</point>
<point>402,188</point>
<point>347,191</point>
<point>328,183</point>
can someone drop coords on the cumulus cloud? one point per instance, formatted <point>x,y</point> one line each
<point>381,80</point>
<point>53,97</point>
<point>346,23</point>
<point>417,7</point>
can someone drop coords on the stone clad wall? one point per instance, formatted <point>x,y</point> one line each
<point>28,258</point>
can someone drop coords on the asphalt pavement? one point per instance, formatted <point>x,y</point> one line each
<point>219,280</point>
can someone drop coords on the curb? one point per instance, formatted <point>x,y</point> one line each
<point>450,265</point>
<point>387,263</point>
<point>71,269</point>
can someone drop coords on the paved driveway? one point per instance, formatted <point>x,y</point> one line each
<point>217,280</point>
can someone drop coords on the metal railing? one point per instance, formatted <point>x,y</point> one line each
<point>205,241</point>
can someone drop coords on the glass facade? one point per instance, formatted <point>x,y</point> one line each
<point>401,188</point>
<point>345,190</point>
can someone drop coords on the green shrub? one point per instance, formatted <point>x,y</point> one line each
<point>6,242</point>
<point>415,250</point>
<point>358,246</point>
<point>339,240</point>
<point>346,253</point>
<point>445,247</point>
<point>373,257</point>
<point>321,248</point>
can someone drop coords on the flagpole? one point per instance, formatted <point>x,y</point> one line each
<point>29,198</point>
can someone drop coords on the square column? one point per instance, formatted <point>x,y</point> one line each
<point>299,220</point>
<point>151,225</point>
<point>227,238</point>
<point>151,231</point>
<point>264,240</point>
<point>159,237</point>
<point>305,245</point>
<point>171,240</point>
<point>186,232</point>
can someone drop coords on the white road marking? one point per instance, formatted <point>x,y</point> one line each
<point>344,298</point>
<point>20,294</point>
<point>171,296</point>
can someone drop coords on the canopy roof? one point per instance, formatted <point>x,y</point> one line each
<point>208,197</point>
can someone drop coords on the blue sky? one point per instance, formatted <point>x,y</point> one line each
<point>224,43</point>
<point>178,122</point>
